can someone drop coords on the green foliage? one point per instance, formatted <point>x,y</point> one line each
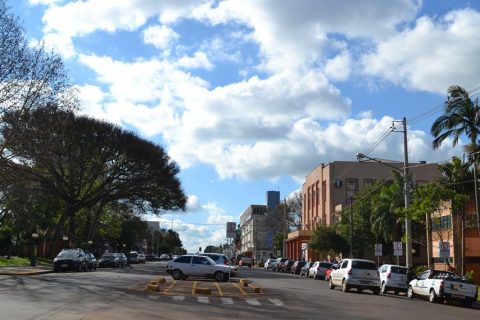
<point>14,261</point>
<point>326,240</point>
<point>470,275</point>
<point>419,269</point>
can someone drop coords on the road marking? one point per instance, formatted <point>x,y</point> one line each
<point>170,287</point>
<point>227,300</point>
<point>253,302</point>
<point>276,302</point>
<point>194,287</point>
<point>220,292</point>
<point>203,299</point>
<point>178,298</point>
<point>239,288</point>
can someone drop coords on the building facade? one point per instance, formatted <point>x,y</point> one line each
<point>330,188</point>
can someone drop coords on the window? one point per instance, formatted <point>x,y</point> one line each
<point>200,260</point>
<point>399,270</point>
<point>184,259</point>
<point>367,183</point>
<point>364,265</point>
<point>344,265</point>
<point>352,185</point>
<point>424,275</point>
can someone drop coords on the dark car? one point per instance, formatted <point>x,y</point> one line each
<point>287,266</point>
<point>133,257</point>
<point>122,259</point>
<point>91,261</point>
<point>304,270</point>
<point>70,259</point>
<point>297,266</point>
<point>109,260</point>
<point>278,264</point>
<point>151,257</point>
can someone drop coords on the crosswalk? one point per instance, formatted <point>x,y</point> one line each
<point>221,300</point>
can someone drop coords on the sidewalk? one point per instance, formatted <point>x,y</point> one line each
<point>25,270</point>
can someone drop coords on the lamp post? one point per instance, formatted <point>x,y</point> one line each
<point>33,260</point>
<point>408,223</point>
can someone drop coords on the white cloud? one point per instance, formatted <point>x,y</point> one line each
<point>198,61</point>
<point>432,55</point>
<point>338,68</point>
<point>159,36</point>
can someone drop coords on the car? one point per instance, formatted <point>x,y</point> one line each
<point>133,257</point>
<point>164,257</point>
<point>305,269</point>
<point>277,265</point>
<point>318,270</point>
<point>355,273</point>
<point>219,258</point>
<point>393,278</point>
<point>329,270</point>
<point>199,266</point>
<point>287,265</point>
<point>70,259</point>
<point>141,258</point>
<point>150,257</point>
<point>269,264</point>
<point>91,261</point>
<point>122,259</point>
<point>297,266</point>
<point>109,260</point>
<point>245,262</point>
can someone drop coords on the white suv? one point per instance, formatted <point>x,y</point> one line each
<point>356,273</point>
<point>393,277</point>
<point>198,266</point>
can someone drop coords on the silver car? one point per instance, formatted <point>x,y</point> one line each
<point>317,271</point>
<point>393,278</point>
<point>355,273</point>
<point>198,266</point>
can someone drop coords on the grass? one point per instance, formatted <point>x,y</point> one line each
<point>14,261</point>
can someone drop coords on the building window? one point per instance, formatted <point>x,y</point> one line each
<point>367,183</point>
<point>442,223</point>
<point>352,188</point>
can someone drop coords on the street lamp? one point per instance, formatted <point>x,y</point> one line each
<point>33,260</point>
<point>408,223</point>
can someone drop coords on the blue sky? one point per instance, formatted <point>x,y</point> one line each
<point>250,95</point>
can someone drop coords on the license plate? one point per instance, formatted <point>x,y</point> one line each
<point>64,265</point>
<point>364,282</point>
<point>458,296</point>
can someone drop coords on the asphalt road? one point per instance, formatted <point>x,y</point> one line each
<point>120,294</point>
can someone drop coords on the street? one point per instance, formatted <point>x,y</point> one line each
<point>120,294</point>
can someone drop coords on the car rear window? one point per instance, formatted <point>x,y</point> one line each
<point>184,259</point>
<point>399,270</point>
<point>364,265</point>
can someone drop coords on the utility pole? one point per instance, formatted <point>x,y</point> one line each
<point>284,227</point>
<point>408,222</point>
<point>351,228</point>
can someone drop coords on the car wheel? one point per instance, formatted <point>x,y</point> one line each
<point>396,292</point>
<point>219,276</point>
<point>79,267</point>
<point>330,284</point>
<point>345,286</point>
<point>383,289</point>
<point>359,290</point>
<point>410,293</point>
<point>432,297</point>
<point>177,274</point>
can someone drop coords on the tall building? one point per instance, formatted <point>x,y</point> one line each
<point>331,187</point>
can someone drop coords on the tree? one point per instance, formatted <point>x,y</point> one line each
<point>327,241</point>
<point>88,164</point>
<point>294,211</point>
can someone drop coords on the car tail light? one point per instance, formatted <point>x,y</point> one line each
<point>225,261</point>
<point>389,275</point>
<point>441,287</point>
<point>349,272</point>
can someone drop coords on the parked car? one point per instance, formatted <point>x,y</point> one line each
<point>269,264</point>
<point>245,262</point>
<point>122,259</point>
<point>287,265</point>
<point>305,269</point>
<point>141,258</point>
<point>297,266</point>
<point>329,271</point>
<point>319,268</point>
<point>355,273</point>
<point>70,259</point>
<point>164,257</point>
<point>198,266</point>
<point>219,258</point>
<point>440,286</point>
<point>109,260</point>
<point>91,261</point>
<point>393,278</point>
<point>133,257</point>
<point>278,264</point>
<point>150,257</point>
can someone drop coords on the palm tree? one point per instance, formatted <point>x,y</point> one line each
<point>461,117</point>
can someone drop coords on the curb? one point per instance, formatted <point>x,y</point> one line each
<point>24,273</point>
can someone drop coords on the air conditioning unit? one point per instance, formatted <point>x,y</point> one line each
<point>338,183</point>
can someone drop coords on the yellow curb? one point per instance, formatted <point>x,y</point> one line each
<point>153,282</point>
<point>152,287</point>
<point>161,280</point>
<point>243,281</point>
<point>255,288</point>
<point>202,291</point>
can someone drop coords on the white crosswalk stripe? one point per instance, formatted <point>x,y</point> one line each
<point>178,298</point>
<point>227,300</point>
<point>203,299</point>
<point>253,302</point>
<point>276,302</point>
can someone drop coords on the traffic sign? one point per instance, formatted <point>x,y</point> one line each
<point>378,250</point>
<point>444,249</point>
<point>231,229</point>
<point>397,249</point>
<point>304,246</point>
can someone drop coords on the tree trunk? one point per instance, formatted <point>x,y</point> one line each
<point>59,227</point>
<point>429,239</point>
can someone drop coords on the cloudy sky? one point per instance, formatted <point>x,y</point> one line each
<point>251,95</point>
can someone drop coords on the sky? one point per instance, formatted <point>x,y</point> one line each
<point>251,95</point>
